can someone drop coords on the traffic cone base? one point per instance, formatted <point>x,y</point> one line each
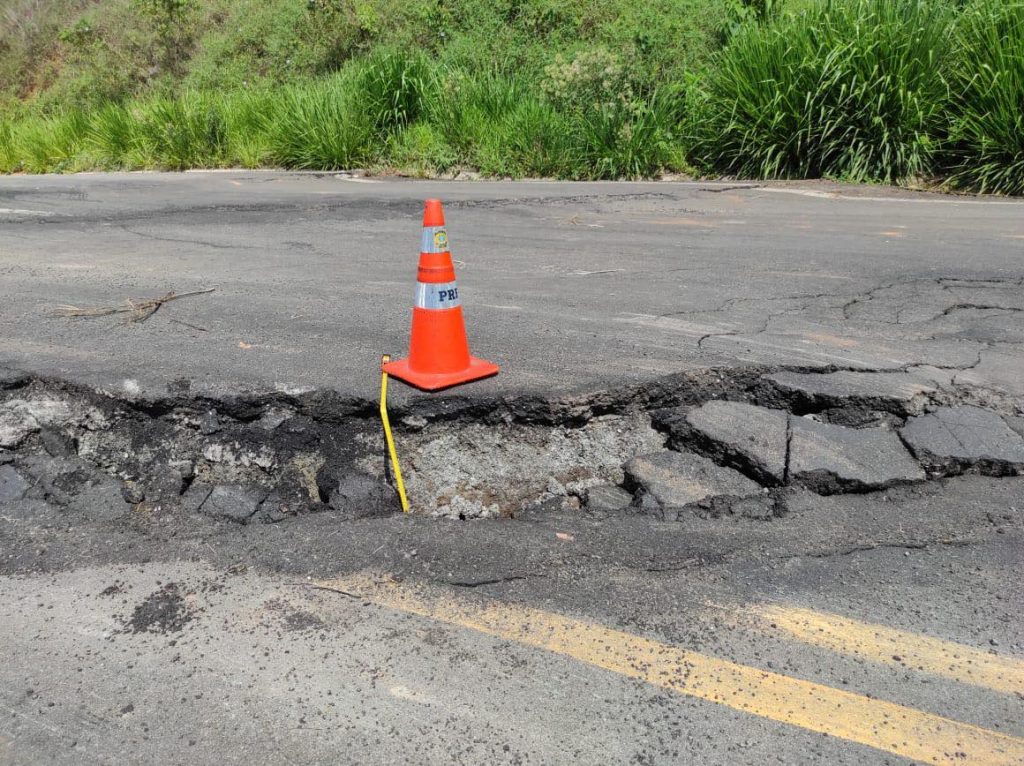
<point>435,381</point>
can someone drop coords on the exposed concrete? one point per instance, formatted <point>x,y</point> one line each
<point>953,438</point>
<point>677,480</point>
<point>470,469</point>
<point>830,458</point>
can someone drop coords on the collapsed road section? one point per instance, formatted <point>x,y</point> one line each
<point>707,442</point>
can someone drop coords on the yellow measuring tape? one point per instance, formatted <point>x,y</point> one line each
<point>387,433</point>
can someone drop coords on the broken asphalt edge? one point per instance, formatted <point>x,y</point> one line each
<point>323,413</point>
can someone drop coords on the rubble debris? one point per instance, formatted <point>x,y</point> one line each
<point>163,611</point>
<point>462,508</point>
<point>14,428</point>
<point>132,492</point>
<point>269,457</point>
<point>359,496</point>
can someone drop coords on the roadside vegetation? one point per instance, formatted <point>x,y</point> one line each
<point>897,91</point>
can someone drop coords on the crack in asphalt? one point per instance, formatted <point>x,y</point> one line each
<point>976,306</point>
<point>864,297</point>
<point>494,580</point>
<point>182,241</point>
<point>910,546</point>
<point>736,187</point>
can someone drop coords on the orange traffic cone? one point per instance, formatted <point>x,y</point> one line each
<point>438,349</point>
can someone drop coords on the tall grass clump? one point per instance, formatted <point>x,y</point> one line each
<point>987,135</point>
<point>177,133</point>
<point>8,155</point>
<point>246,116</point>
<point>320,126</point>
<point>113,137</point>
<point>500,124</point>
<point>638,139</point>
<point>420,150</point>
<point>394,87</point>
<point>530,139</point>
<point>853,89</point>
<point>622,127</point>
<point>467,108</point>
<point>47,144</point>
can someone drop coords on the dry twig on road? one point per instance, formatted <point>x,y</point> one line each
<point>137,311</point>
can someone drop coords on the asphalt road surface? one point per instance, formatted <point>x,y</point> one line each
<point>864,625</point>
<point>568,286</point>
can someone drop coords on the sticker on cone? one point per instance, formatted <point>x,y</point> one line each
<point>438,350</point>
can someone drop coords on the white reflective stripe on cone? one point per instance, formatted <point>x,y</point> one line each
<point>437,295</point>
<point>435,240</point>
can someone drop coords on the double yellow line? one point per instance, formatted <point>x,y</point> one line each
<point>883,725</point>
<point>900,648</point>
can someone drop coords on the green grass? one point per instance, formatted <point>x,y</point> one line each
<point>866,90</point>
<point>986,149</point>
<point>853,89</point>
<point>81,53</point>
<point>51,144</point>
<point>320,127</point>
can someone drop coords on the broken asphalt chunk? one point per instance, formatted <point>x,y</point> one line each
<point>607,498</point>
<point>678,479</point>
<point>829,458</point>
<point>953,439</point>
<point>743,435</point>
<point>898,392</point>
<point>233,502</point>
<point>1016,423</point>
<point>12,378</point>
<point>13,485</point>
<point>358,496</point>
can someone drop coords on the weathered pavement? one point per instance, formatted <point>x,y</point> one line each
<point>756,443</point>
<point>570,286</point>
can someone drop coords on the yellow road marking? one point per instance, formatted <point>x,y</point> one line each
<point>882,725</point>
<point>896,647</point>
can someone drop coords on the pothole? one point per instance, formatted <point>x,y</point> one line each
<point>709,442</point>
<point>487,471</point>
